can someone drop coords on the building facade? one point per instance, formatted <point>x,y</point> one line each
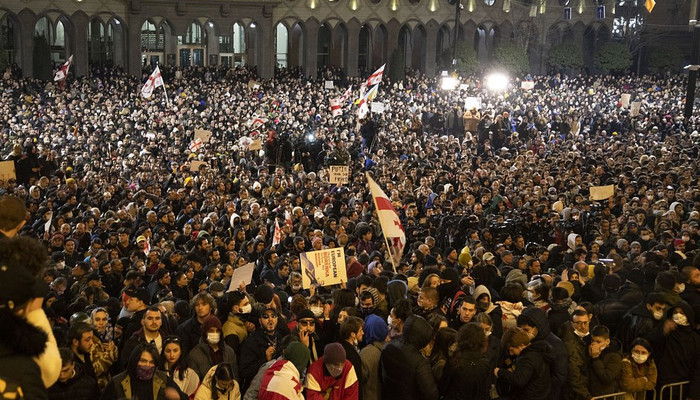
<point>356,35</point>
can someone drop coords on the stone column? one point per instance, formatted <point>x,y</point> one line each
<point>431,31</point>
<point>311,44</point>
<point>27,20</point>
<point>353,29</point>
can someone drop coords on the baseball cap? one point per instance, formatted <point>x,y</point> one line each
<point>488,256</point>
<point>140,239</point>
<point>139,293</point>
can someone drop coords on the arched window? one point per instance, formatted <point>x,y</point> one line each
<point>7,43</point>
<point>194,34</point>
<point>149,37</point>
<point>282,45</point>
<point>324,46</point>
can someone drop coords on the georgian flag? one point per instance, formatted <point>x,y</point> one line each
<point>336,108</point>
<point>62,73</point>
<point>388,219</point>
<point>346,95</point>
<point>376,77</point>
<point>152,83</point>
<point>195,145</point>
<point>277,235</point>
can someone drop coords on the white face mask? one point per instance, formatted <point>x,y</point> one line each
<point>639,358</point>
<point>680,319</point>
<point>246,309</point>
<point>581,334</point>
<point>318,311</point>
<point>296,288</point>
<point>389,320</point>
<point>658,315</point>
<point>646,237</point>
<point>599,242</point>
<point>213,337</point>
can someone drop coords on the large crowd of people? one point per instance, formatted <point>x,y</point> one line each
<point>120,233</point>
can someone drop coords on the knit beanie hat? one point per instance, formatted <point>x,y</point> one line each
<point>210,322</point>
<point>297,354</point>
<point>334,353</point>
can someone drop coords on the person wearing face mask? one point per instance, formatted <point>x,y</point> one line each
<point>606,362</point>
<point>641,319</point>
<point>639,372</point>
<point>351,335</point>
<point>575,336</point>
<point>212,349</point>
<point>219,384</point>
<point>484,305</point>
<point>332,377</point>
<point>237,324</point>
<point>534,322</point>
<point>142,380</point>
<point>676,347</point>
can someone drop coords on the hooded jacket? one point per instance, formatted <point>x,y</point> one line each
<point>637,322</point>
<point>404,372</point>
<point>605,370</point>
<point>494,311</point>
<point>530,380</point>
<point>677,353</point>
<point>559,363</point>
<point>79,387</point>
<point>19,342</point>
<point>467,375</point>
<point>376,331</point>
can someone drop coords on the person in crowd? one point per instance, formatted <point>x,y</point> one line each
<point>236,326</point>
<point>332,376</point>
<point>442,350</point>
<point>219,383</point>
<point>283,379</point>
<point>73,383</point>
<point>375,336</point>
<point>305,331</point>
<point>141,379</point>
<point>641,319</point>
<point>261,346</point>
<point>405,372</point>
<point>576,338</point>
<point>467,373</point>
<point>190,331</point>
<point>529,377</point>
<point>175,364</point>
<point>151,332</point>
<point>351,335</point>
<point>639,373</point>
<point>212,349</point>
<point>605,362</point>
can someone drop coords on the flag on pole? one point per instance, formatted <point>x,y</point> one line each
<point>255,121</point>
<point>649,5</point>
<point>277,235</point>
<point>62,73</point>
<point>195,145</point>
<point>363,104</point>
<point>376,77</point>
<point>389,221</point>
<point>336,109</point>
<point>346,95</point>
<point>152,83</point>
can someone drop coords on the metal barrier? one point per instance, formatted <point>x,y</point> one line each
<point>667,391</point>
<point>612,396</point>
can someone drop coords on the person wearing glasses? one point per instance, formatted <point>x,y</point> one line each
<point>175,364</point>
<point>576,336</point>
<point>305,331</point>
<point>260,346</point>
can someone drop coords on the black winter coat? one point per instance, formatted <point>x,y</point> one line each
<point>79,387</point>
<point>466,376</point>
<point>610,311</point>
<point>637,322</point>
<point>559,362</point>
<point>404,372</point>
<point>19,342</point>
<point>605,371</point>
<point>531,378</point>
<point>253,354</point>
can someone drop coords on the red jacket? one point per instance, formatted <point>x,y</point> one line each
<point>320,384</point>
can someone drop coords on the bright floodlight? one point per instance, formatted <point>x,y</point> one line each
<point>448,83</point>
<point>496,82</point>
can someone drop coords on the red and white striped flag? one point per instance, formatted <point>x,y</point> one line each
<point>336,108</point>
<point>62,73</point>
<point>152,83</point>
<point>389,221</point>
<point>277,235</point>
<point>376,77</point>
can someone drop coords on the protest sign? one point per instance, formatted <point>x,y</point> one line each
<point>328,85</point>
<point>625,99</point>
<point>602,192</point>
<point>7,170</point>
<point>196,164</point>
<point>527,85</point>
<point>255,145</point>
<point>378,107</point>
<point>472,102</point>
<point>323,267</point>
<point>241,274</point>
<point>338,174</point>
<point>635,107</point>
<point>202,134</point>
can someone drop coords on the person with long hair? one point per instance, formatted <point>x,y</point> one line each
<point>638,370</point>
<point>174,363</point>
<point>219,384</point>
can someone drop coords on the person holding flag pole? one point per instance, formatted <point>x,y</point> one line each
<point>392,229</point>
<point>152,83</point>
<point>62,73</point>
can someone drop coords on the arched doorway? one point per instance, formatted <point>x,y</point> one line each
<point>297,46</point>
<point>339,45</point>
<point>364,49</point>
<point>43,39</point>
<point>405,44</point>
<point>324,46</point>
<point>418,50</point>
<point>9,41</point>
<point>379,47</point>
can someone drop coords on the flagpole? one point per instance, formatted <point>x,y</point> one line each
<point>376,209</point>
<point>167,101</point>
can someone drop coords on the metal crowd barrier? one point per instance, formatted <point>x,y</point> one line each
<point>612,396</point>
<point>667,391</point>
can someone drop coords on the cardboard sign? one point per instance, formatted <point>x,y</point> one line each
<point>323,267</point>
<point>378,107</point>
<point>472,102</point>
<point>328,85</point>
<point>602,192</point>
<point>7,171</point>
<point>255,145</point>
<point>339,174</point>
<point>635,107</point>
<point>241,274</point>
<point>252,85</point>
<point>625,99</point>
<point>196,164</point>
<point>202,134</point>
<point>527,85</point>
